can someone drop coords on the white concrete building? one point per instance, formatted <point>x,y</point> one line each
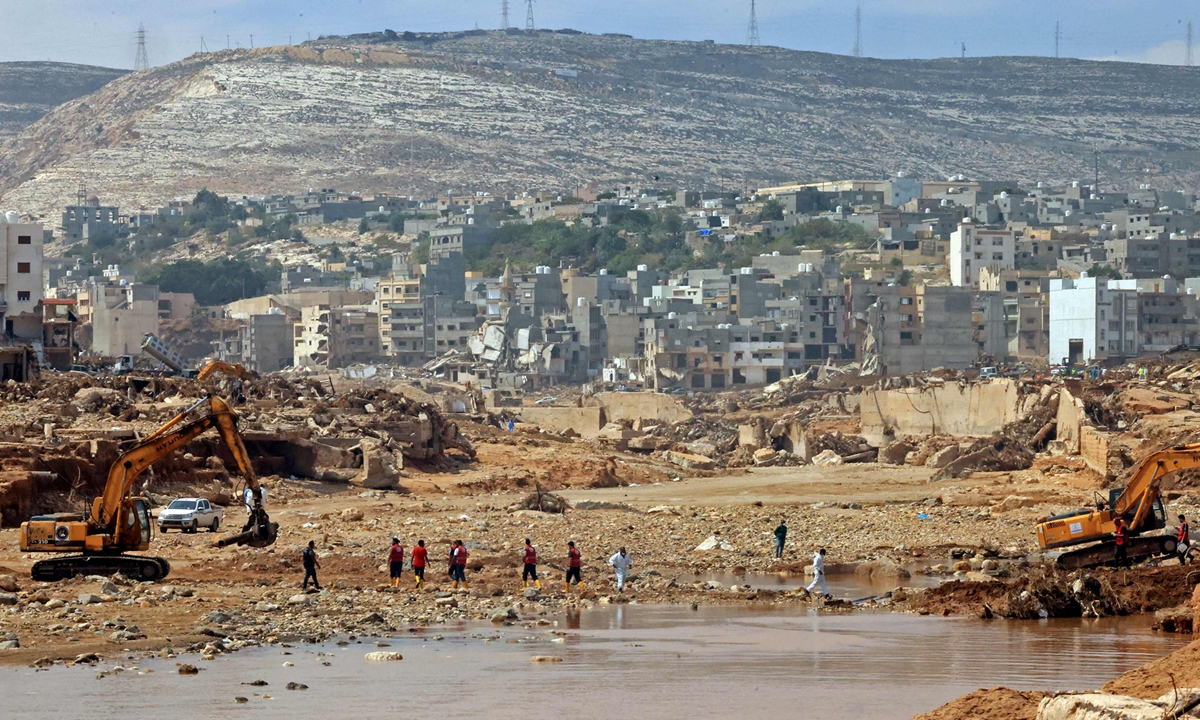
<point>1090,321</point>
<point>973,248</point>
<point>21,277</point>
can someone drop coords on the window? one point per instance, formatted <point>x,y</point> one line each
<point>24,240</point>
<point>23,268</point>
<point>22,296</point>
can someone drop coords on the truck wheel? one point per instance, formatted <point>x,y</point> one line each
<point>216,525</point>
<point>194,526</point>
<point>162,529</point>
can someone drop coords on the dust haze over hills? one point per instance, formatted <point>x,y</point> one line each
<point>486,110</point>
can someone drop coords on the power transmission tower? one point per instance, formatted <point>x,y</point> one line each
<point>752,31</point>
<point>964,50</point>
<point>858,31</point>
<point>140,61</point>
<point>203,47</point>
<point>503,14</point>
<point>1057,38</point>
<point>1187,57</point>
<point>529,26</point>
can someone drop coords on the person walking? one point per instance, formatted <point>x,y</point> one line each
<point>819,574</point>
<point>1183,541</point>
<point>311,564</point>
<point>458,571</point>
<point>530,571</point>
<point>396,562</point>
<point>621,562</point>
<point>420,556</point>
<point>780,538</point>
<point>1120,538</point>
<point>574,567</point>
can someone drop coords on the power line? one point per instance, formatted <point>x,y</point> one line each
<point>504,14</point>
<point>529,26</point>
<point>752,31</point>
<point>141,61</point>
<point>858,31</point>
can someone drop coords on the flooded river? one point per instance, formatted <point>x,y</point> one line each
<point>647,662</point>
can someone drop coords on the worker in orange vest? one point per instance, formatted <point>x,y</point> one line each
<point>1183,540</point>
<point>574,567</point>
<point>458,571</point>
<point>530,571</point>
<point>1120,538</point>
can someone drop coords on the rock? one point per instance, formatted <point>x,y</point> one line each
<point>296,686</point>
<point>1102,706</point>
<point>532,594</point>
<point>383,656</point>
<point>352,514</point>
<point>446,602</point>
<point>10,645</point>
<point>380,468</point>
<point>108,588</point>
<point>1014,502</point>
<point>264,606</point>
<point>56,603</point>
<point>121,636</point>
<point>8,599</point>
<point>663,510</point>
<point>990,565</point>
<point>545,659</point>
<point>240,699</point>
<point>503,614</point>
<point>688,461</point>
<point>257,683</point>
<point>826,457</point>
<point>299,600</point>
<point>8,583</point>
<point>881,570</point>
<point>943,457</point>
<point>1174,620</point>
<point>644,443</point>
<point>89,599</point>
<point>713,543</point>
<point>186,669</point>
<point>702,447</point>
<point>216,616</point>
<point>962,566</point>
<point>765,456</point>
<point>981,577</point>
<point>895,453</point>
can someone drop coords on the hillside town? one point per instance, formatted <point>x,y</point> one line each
<point>950,274</point>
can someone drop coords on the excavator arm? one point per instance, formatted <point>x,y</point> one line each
<point>1141,492</point>
<point>219,366</point>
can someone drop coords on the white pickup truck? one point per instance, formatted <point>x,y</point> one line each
<point>189,515</point>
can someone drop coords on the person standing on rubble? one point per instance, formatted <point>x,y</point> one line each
<point>819,574</point>
<point>530,571</point>
<point>396,562</point>
<point>1120,537</point>
<point>621,562</point>
<point>1183,540</point>
<point>420,557</point>
<point>458,571</point>
<point>574,568</point>
<point>311,564</point>
<point>780,538</point>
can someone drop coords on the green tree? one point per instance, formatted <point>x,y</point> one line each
<point>214,283</point>
<point>772,210</point>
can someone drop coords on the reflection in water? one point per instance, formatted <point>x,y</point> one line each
<point>669,662</point>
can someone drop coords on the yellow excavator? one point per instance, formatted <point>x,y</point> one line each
<point>1139,504</point>
<point>228,368</point>
<point>120,523</point>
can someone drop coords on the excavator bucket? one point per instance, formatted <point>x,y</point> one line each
<point>252,537</point>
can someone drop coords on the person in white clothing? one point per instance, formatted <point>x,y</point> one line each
<point>819,574</point>
<point>248,498</point>
<point>621,562</point>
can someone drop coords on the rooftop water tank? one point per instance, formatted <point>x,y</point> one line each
<point>643,268</point>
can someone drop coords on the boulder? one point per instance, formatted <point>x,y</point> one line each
<point>1014,502</point>
<point>8,599</point>
<point>545,659</point>
<point>895,453</point>
<point>502,615</point>
<point>383,656</point>
<point>826,457</point>
<point>10,645</point>
<point>765,456</point>
<point>688,461</point>
<point>8,583</point>
<point>713,543</point>
<point>962,566</point>
<point>644,443</point>
<point>352,514</point>
<point>89,599</point>
<point>881,570</point>
<point>1102,706</point>
<point>1174,620</point>
<point>299,600</point>
<point>702,447</point>
<point>532,593</point>
<point>943,457</point>
<point>108,588</point>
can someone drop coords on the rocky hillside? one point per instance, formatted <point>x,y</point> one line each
<point>471,110</point>
<point>29,90</point>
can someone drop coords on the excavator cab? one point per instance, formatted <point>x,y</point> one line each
<point>1155,520</point>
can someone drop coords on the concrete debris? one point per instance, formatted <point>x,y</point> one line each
<point>827,457</point>
<point>1102,706</point>
<point>712,542</point>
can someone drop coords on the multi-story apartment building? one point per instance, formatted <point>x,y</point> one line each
<point>335,337</point>
<point>973,248</point>
<point>1091,321</point>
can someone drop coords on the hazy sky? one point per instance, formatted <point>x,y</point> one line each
<point>103,32</point>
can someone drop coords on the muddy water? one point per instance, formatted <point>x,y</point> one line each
<point>647,662</point>
<point>846,586</point>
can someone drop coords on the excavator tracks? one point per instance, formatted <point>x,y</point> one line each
<point>1138,548</point>
<point>131,566</point>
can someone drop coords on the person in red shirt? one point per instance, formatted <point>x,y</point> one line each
<point>574,567</point>
<point>420,556</point>
<point>1120,537</point>
<point>458,571</point>
<point>1183,540</point>
<point>530,571</point>
<point>396,562</point>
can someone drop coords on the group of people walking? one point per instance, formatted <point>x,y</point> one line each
<point>621,563</point>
